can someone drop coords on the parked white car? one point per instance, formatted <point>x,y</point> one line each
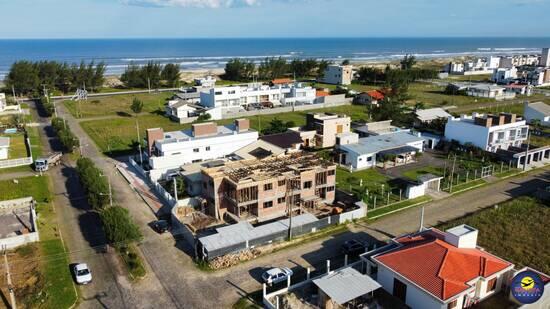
<point>82,273</point>
<point>276,275</point>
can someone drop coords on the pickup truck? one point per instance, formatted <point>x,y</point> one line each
<point>42,164</point>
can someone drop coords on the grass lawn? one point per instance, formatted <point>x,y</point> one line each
<point>415,173</point>
<point>467,186</point>
<point>56,290</point>
<point>17,149</point>
<point>516,231</point>
<point>117,105</point>
<point>397,206</point>
<point>117,134</point>
<point>432,95</point>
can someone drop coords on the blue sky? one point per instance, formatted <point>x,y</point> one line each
<point>272,18</point>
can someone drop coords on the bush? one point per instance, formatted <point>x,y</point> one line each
<point>118,226</point>
<point>65,135</point>
<point>95,185</point>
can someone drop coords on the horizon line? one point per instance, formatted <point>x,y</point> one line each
<point>274,38</point>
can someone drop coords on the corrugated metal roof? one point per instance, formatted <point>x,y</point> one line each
<point>431,114</point>
<point>346,284</point>
<point>241,232</point>
<point>375,144</point>
<point>540,107</point>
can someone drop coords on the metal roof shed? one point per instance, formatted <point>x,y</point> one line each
<point>346,285</point>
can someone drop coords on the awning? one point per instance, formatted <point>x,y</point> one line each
<point>398,151</point>
<point>346,285</point>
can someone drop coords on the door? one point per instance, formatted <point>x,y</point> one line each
<point>399,290</point>
<point>339,128</point>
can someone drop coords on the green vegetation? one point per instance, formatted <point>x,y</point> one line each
<point>432,96</point>
<point>28,77</point>
<point>468,185</point>
<point>119,134</point>
<point>118,226</point>
<point>18,147</point>
<point>397,206</point>
<point>152,75</point>
<point>517,231</point>
<point>133,262</point>
<point>250,301</point>
<point>415,173</point>
<point>54,287</point>
<point>270,68</point>
<point>118,105</point>
<point>94,183</point>
<point>65,135</point>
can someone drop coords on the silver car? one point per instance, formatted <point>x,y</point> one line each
<point>276,275</point>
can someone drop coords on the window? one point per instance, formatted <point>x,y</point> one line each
<point>268,204</point>
<point>281,200</point>
<point>491,285</point>
<point>176,153</point>
<point>331,172</point>
<point>308,185</point>
<point>268,186</point>
<point>207,148</point>
<point>231,92</point>
<point>369,159</point>
<point>330,189</point>
<point>399,290</point>
<point>282,183</point>
<point>195,149</point>
<point>452,304</point>
<point>218,93</point>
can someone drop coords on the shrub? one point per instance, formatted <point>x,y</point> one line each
<point>118,226</point>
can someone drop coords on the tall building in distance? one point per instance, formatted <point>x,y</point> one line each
<point>545,58</point>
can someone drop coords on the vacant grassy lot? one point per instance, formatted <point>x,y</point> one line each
<point>415,173</point>
<point>17,149</point>
<point>53,287</point>
<point>118,105</point>
<point>517,231</point>
<point>433,95</point>
<point>117,134</point>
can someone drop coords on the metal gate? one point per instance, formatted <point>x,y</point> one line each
<point>486,171</point>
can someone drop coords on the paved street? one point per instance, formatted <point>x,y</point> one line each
<point>173,281</point>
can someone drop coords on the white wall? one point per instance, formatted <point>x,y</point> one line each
<point>415,191</point>
<point>359,162</point>
<point>531,114</point>
<point>465,132</point>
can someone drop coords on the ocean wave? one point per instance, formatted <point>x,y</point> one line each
<point>196,58</point>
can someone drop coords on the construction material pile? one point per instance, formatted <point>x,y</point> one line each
<point>229,260</point>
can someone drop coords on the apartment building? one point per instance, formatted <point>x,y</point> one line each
<point>327,127</point>
<point>488,132</point>
<point>260,190</point>
<point>3,103</point>
<point>518,60</point>
<point>237,96</point>
<point>545,58</point>
<point>433,269</point>
<point>168,151</point>
<point>504,75</point>
<point>338,75</point>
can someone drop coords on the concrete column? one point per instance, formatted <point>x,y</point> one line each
<point>288,281</point>
<point>328,266</point>
<point>346,260</point>
<point>264,289</point>
<point>308,274</point>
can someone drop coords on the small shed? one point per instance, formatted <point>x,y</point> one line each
<point>4,147</point>
<point>343,287</point>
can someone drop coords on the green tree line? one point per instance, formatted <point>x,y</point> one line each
<point>243,70</point>
<point>30,78</point>
<point>152,74</point>
<point>65,135</point>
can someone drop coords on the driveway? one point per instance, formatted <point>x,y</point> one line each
<point>175,281</point>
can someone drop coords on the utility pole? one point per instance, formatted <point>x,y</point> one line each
<point>139,142</point>
<point>8,276</point>
<point>149,84</point>
<point>527,150</point>
<point>13,93</point>
<point>110,191</point>
<point>421,219</point>
<point>175,189</point>
<point>452,174</point>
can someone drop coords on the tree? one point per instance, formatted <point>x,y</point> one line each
<point>418,106</point>
<point>118,226</point>
<point>322,67</point>
<point>408,62</point>
<point>23,77</point>
<point>93,182</point>
<point>204,117</point>
<point>137,106</point>
<point>171,74</point>
<point>276,126</point>
<point>239,70</point>
<point>132,76</point>
<point>346,62</point>
<point>271,68</point>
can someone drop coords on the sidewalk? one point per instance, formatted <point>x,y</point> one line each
<point>141,186</point>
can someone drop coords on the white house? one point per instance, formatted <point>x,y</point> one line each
<point>504,75</point>
<point>432,269</point>
<point>489,91</point>
<point>4,147</point>
<point>365,153</point>
<point>206,82</point>
<point>488,132</point>
<point>238,96</point>
<point>430,114</point>
<point>168,151</point>
<point>338,74</point>
<point>537,111</point>
<point>178,109</point>
<point>545,58</point>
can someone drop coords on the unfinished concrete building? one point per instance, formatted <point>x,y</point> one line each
<point>260,190</point>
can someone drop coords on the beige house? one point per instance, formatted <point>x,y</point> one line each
<point>327,127</point>
<point>338,75</point>
<point>260,190</point>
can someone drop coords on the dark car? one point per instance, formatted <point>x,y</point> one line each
<point>353,247</point>
<point>161,226</point>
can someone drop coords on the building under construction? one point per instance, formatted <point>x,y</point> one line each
<point>260,190</point>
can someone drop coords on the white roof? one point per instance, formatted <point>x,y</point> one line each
<point>4,141</point>
<point>346,284</point>
<point>431,114</point>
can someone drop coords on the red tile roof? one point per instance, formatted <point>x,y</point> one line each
<point>281,81</point>
<point>518,86</point>
<point>321,93</point>
<point>376,94</point>
<point>437,266</point>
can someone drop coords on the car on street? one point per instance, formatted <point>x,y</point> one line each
<point>353,247</point>
<point>161,226</point>
<point>82,273</point>
<point>276,275</point>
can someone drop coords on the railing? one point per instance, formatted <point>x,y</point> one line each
<point>16,162</point>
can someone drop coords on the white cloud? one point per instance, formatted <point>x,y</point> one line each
<point>192,3</point>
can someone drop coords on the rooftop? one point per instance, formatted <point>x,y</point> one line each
<point>431,114</point>
<point>4,141</point>
<point>438,267</point>
<point>346,284</point>
<point>283,140</point>
<point>187,135</point>
<point>257,170</point>
<point>376,94</point>
<point>540,107</point>
<point>374,144</point>
<point>259,150</point>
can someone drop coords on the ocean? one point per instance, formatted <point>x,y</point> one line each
<point>214,53</point>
